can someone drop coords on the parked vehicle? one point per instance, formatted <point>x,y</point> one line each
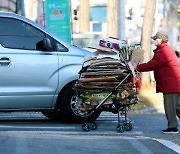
<point>38,70</point>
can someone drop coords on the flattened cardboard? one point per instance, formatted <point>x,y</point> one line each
<point>102,83</point>
<point>104,74</point>
<point>110,62</point>
<point>91,60</point>
<point>112,79</point>
<point>137,57</point>
<point>108,73</point>
<point>106,69</point>
<point>107,66</point>
<point>102,49</point>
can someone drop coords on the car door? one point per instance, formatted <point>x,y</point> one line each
<point>28,76</point>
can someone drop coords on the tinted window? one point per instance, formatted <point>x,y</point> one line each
<point>20,35</point>
<point>61,48</point>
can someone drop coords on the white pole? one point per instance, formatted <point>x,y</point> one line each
<point>121,21</point>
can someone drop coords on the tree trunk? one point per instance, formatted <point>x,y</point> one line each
<point>112,18</point>
<point>83,16</point>
<point>146,34</point>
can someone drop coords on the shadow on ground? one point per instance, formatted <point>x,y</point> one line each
<point>148,98</point>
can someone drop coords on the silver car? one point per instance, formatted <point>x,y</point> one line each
<point>38,70</point>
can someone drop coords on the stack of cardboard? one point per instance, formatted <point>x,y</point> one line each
<point>102,73</point>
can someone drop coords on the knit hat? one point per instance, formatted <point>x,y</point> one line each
<point>161,35</point>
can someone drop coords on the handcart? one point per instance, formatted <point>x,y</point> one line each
<point>123,124</point>
<point>113,76</point>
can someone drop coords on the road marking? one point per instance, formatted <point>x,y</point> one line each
<point>37,127</point>
<point>135,141</point>
<point>78,132</point>
<point>58,130</point>
<point>140,146</point>
<point>169,144</point>
<point>43,134</point>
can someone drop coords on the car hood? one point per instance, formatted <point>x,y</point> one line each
<point>74,50</point>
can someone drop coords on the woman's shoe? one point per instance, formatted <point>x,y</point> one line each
<point>170,131</point>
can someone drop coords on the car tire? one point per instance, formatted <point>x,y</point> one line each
<point>53,115</point>
<point>69,104</point>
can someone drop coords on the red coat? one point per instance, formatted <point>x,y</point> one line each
<point>166,69</point>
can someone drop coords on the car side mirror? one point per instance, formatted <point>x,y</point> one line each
<point>47,45</point>
<point>44,45</point>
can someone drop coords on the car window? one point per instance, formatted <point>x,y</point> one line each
<point>18,34</point>
<point>60,47</point>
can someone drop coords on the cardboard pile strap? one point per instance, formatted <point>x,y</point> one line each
<point>99,76</point>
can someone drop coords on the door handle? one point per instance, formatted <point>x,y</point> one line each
<point>4,61</point>
<point>62,60</point>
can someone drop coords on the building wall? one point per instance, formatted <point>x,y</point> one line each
<point>14,6</point>
<point>31,9</point>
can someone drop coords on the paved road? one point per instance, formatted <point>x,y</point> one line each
<point>33,133</point>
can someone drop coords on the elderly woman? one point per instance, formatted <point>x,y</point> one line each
<point>167,75</point>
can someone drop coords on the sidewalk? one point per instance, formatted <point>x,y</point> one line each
<point>155,109</point>
<point>149,101</point>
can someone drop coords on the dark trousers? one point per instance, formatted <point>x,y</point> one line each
<point>172,108</point>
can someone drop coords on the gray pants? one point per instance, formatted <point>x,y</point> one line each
<point>172,108</point>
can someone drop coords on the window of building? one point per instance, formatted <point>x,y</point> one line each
<point>98,18</point>
<point>98,13</point>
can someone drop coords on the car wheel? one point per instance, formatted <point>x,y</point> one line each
<point>70,105</point>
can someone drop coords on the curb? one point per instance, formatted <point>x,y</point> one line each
<point>152,109</point>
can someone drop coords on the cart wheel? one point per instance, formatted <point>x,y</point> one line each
<point>86,127</point>
<point>120,128</point>
<point>128,127</point>
<point>93,125</point>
